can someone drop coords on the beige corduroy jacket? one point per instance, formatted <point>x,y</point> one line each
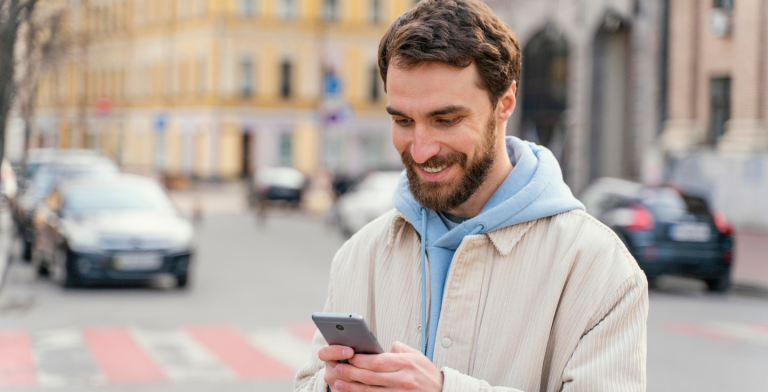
<point>554,304</point>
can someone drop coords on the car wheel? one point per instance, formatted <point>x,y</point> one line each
<point>719,285</point>
<point>182,280</point>
<point>62,271</point>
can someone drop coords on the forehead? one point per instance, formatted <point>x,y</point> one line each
<point>431,85</point>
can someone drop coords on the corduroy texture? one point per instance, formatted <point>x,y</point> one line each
<point>553,304</point>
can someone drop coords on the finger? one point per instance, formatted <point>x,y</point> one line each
<point>349,386</point>
<point>378,362</point>
<point>400,347</point>
<point>363,376</point>
<point>335,353</point>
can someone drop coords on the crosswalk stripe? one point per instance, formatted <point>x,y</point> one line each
<point>17,364</point>
<point>183,358</point>
<point>282,345</point>
<point>120,357</point>
<point>233,348</point>
<point>63,359</point>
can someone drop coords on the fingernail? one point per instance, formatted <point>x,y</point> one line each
<point>345,352</point>
<point>339,386</point>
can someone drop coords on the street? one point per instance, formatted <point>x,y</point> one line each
<point>244,324</point>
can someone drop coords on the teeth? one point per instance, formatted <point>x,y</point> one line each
<point>434,169</point>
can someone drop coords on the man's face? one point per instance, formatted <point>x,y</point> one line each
<point>444,128</point>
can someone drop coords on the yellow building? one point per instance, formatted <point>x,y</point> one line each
<point>217,88</point>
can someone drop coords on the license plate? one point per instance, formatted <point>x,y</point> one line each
<point>690,232</point>
<point>137,261</point>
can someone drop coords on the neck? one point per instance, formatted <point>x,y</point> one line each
<point>499,172</point>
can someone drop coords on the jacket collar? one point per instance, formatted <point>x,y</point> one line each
<point>503,239</point>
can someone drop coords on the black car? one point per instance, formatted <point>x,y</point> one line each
<point>669,233</point>
<point>284,184</point>
<point>122,229</point>
<point>45,178</point>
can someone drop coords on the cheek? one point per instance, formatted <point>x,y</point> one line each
<point>401,140</point>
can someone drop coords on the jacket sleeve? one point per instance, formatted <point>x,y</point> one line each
<point>609,357</point>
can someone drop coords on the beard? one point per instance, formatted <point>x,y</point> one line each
<point>443,196</point>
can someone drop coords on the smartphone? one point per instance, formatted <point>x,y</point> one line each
<point>346,329</point>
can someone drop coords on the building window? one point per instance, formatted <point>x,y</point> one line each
<point>331,10</point>
<point>720,109</point>
<point>723,4</point>
<point>285,79</point>
<point>375,86</point>
<point>375,11</point>
<point>285,149</point>
<point>248,7</point>
<point>246,77</point>
<point>287,9</point>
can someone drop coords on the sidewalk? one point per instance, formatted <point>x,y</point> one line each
<point>751,258</point>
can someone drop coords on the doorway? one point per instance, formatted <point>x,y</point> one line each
<point>545,89</point>
<point>246,162</point>
<point>611,140</point>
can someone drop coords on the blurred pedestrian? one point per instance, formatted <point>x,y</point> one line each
<point>488,275</point>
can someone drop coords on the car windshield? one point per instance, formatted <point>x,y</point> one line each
<point>115,197</point>
<point>30,169</point>
<point>48,177</point>
<point>665,203</point>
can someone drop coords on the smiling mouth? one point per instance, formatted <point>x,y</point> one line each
<point>434,169</point>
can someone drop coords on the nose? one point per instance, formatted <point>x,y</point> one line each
<point>424,145</point>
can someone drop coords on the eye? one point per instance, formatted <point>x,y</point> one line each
<point>402,121</point>
<point>447,121</point>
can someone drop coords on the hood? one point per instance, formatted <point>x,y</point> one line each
<point>534,189</point>
<point>129,230</point>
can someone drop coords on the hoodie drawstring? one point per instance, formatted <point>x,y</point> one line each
<point>424,278</point>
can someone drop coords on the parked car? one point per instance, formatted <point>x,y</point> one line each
<point>41,156</point>
<point>668,233</point>
<point>45,179</point>
<point>366,201</point>
<point>104,230</point>
<point>277,184</point>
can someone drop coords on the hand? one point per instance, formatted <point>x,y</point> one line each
<point>331,355</point>
<point>402,369</point>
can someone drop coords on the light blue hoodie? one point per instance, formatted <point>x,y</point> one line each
<point>534,189</point>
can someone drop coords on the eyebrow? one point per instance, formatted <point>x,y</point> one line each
<point>449,109</point>
<point>395,112</point>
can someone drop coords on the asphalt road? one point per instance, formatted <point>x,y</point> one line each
<point>244,322</point>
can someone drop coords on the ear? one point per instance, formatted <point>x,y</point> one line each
<point>507,103</point>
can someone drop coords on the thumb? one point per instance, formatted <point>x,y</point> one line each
<point>400,347</point>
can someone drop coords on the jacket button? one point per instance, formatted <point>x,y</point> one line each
<point>418,327</point>
<point>446,342</point>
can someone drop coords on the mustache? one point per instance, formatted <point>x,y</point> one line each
<point>435,161</point>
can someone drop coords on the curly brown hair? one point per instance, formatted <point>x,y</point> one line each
<point>457,33</point>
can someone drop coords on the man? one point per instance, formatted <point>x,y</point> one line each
<point>488,275</point>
